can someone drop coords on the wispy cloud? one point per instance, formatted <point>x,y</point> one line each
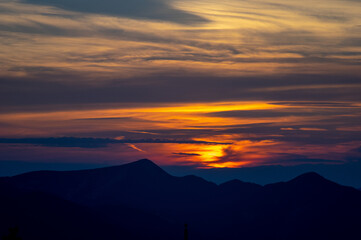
<point>134,147</point>
<point>234,38</point>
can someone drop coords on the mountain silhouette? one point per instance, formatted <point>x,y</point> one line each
<point>141,200</point>
<point>129,184</point>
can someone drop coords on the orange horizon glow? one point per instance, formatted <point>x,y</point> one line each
<point>223,151</point>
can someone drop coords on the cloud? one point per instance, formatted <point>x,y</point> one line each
<point>358,149</point>
<point>135,147</point>
<point>230,154</point>
<point>38,92</point>
<point>182,154</point>
<point>119,119</point>
<point>107,118</point>
<point>95,142</point>
<point>128,44</point>
<point>60,142</point>
<point>276,113</point>
<point>143,9</point>
<point>62,60</point>
<point>233,155</point>
<point>312,129</point>
<point>297,136</point>
<point>323,104</point>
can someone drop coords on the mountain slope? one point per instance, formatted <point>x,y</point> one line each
<point>43,216</point>
<point>311,206</point>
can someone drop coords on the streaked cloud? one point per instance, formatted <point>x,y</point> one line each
<point>211,84</point>
<point>95,142</point>
<point>181,154</point>
<point>239,38</point>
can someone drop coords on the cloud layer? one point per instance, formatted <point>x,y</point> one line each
<point>232,38</point>
<point>201,83</point>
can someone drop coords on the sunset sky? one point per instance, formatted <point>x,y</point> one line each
<point>200,84</point>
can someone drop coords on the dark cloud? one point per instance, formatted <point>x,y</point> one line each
<point>330,17</point>
<point>107,118</point>
<point>260,132</point>
<point>312,12</point>
<point>358,149</point>
<point>38,92</point>
<point>318,104</point>
<point>229,154</point>
<point>117,119</point>
<point>181,154</point>
<point>296,159</point>
<point>290,37</point>
<point>353,41</point>
<point>60,142</point>
<point>144,9</point>
<point>125,34</point>
<point>283,112</point>
<point>317,131</point>
<point>92,142</point>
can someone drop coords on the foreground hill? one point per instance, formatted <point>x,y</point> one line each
<point>142,200</point>
<point>39,215</point>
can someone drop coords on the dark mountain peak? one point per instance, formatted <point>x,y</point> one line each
<point>145,165</point>
<point>309,180</point>
<point>145,162</point>
<point>309,177</point>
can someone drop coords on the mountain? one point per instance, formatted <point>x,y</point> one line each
<point>129,185</point>
<point>135,194</point>
<point>143,201</point>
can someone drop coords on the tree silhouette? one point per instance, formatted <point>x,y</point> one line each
<point>13,234</point>
<point>185,231</point>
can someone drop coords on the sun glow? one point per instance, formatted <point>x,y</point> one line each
<point>227,165</point>
<point>204,135</point>
<point>189,116</point>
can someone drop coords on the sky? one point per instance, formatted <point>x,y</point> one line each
<point>201,85</point>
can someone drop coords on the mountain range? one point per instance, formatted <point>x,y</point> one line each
<point>139,200</point>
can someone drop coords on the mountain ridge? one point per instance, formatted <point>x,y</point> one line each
<point>141,195</point>
<point>143,163</point>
